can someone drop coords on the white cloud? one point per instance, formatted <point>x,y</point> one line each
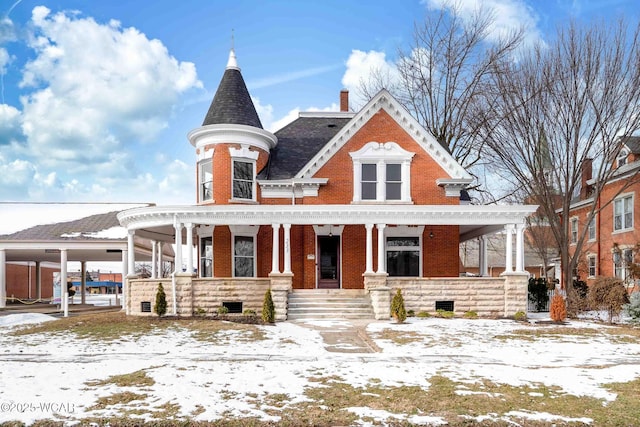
<point>10,118</point>
<point>361,66</point>
<point>509,15</point>
<point>96,88</point>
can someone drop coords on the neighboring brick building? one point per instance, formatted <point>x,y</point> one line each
<point>611,243</point>
<point>365,200</point>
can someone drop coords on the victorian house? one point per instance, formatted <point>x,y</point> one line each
<point>349,204</point>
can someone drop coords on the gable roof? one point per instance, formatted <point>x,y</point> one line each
<point>232,103</point>
<point>299,141</point>
<point>385,101</point>
<point>632,143</point>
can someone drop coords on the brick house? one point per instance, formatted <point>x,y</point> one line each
<point>343,203</point>
<point>611,242</point>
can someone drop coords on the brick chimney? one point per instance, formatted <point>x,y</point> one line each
<point>344,100</point>
<point>587,171</point>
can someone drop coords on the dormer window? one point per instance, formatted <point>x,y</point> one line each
<point>622,157</point>
<point>243,170</point>
<point>381,173</point>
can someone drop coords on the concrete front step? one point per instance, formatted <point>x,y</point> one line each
<point>329,304</point>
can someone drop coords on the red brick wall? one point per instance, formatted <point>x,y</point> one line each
<point>18,282</point>
<point>440,253</point>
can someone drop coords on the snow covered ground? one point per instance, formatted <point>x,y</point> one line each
<point>44,377</point>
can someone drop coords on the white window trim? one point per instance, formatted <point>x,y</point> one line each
<point>244,231</point>
<point>201,163</point>
<point>621,160</point>
<point>573,221</point>
<point>595,265</point>
<point>382,154</point>
<point>621,197</point>
<point>244,154</point>
<point>405,231</point>
<point>595,229</point>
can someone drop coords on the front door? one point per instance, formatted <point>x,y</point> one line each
<point>329,264</point>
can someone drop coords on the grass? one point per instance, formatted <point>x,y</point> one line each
<point>617,335</point>
<point>112,326</point>
<point>134,379</point>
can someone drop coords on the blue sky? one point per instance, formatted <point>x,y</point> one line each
<point>97,96</point>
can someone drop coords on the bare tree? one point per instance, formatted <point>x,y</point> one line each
<point>561,110</point>
<point>444,74</point>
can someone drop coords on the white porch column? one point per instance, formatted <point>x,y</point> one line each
<point>520,247</point>
<point>369,248</point>
<point>508,264</point>
<point>160,261</point>
<point>381,252</point>
<point>482,256</point>
<point>287,248</point>
<point>64,293</point>
<point>3,278</point>
<point>275,249</point>
<point>154,259</point>
<point>178,242</point>
<point>131,260</point>
<point>125,267</point>
<point>189,227</point>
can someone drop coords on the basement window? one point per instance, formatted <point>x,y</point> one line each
<point>444,305</point>
<point>233,306</point>
<point>145,306</point>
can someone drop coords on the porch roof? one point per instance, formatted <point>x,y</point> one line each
<point>474,220</point>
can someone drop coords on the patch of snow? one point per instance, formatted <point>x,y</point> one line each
<point>18,319</point>
<point>545,416</point>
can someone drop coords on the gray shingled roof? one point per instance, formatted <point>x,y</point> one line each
<point>298,142</point>
<point>633,143</point>
<point>80,229</point>
<point>232,103</point>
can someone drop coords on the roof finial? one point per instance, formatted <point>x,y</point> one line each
<point>232,63</point>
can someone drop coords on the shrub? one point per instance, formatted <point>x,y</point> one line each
<point>423,314</point>
<point>608,294</point>
<point>520,316</point>
<point>223,310</point>
<point>558,311</point>
<point>397,307</point>
<point>200,312</point>
<point>538,292</point>
<point>411,313</point>
<point>445,314</point>
<point>249,312</point>
<point>268,309</point>
<point>470,315</point>
<point>160,307</point>
<point>633,308</point>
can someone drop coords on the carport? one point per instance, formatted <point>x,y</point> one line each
<point>95,238</point>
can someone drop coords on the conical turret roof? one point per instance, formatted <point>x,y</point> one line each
<point>232,103</point>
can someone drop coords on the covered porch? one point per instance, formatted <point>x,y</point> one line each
<point>281,256</point>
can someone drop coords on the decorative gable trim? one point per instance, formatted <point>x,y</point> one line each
<point>452,187</point>
<point>384,101</point>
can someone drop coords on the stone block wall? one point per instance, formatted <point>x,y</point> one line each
<point>487,296</point>
<point>205,295</point>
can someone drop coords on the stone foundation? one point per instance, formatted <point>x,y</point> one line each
<point>204,296</point>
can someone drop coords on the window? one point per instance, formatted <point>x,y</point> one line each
<point>622,260</point>
<point>622,157</point>
<point>591,229</point>
<point>574,230</point>
<point>205,176</point>
<point>369,181</point>
<point>381,173</point>
<point>243,256</point>
<point>206,257</point>
<point>394,182</point>
<point>591,264</point>
<point>403,256</point>
<point>243,182</point>
<point>623,213</point>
